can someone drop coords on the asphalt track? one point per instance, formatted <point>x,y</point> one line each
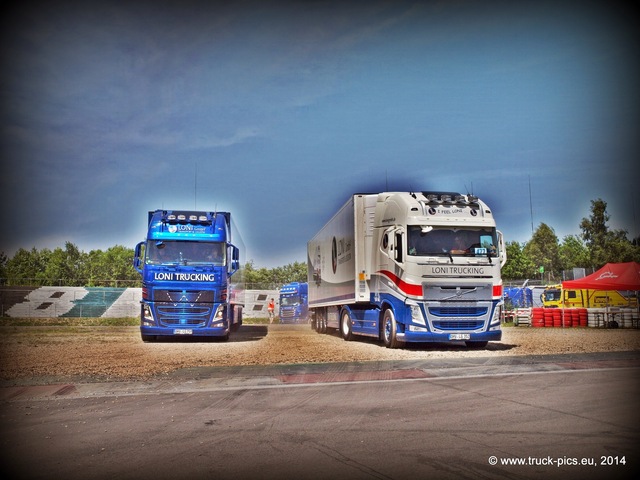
<point>563,416</point>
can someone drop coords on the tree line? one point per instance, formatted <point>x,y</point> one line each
<point>543,257</point>
<point>71,267</point>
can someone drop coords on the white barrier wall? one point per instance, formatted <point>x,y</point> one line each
<point>47,302</point>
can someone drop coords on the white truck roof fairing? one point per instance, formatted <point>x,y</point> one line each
<point>433,208</point>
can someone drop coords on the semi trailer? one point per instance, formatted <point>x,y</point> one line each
<point>408,267</point>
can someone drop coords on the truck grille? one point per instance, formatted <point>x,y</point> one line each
<point>458,324</point>
<point>459,316</point>
<point>458,311</point>
<point>177,315</point>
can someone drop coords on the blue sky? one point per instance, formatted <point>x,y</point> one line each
<point>278,111</point>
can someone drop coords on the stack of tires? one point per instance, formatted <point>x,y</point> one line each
<point>559,317</point>
<point>537,317</point>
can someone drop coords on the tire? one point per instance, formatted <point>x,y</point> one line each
<point>148,338</point>
<point>472,344</point>
<point>346,327</point>
<point>323,324</point>
<point>390,330</point>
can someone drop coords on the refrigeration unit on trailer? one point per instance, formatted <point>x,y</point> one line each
<point>408,267</point>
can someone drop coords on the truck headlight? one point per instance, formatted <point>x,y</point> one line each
<point>218,316</point>
<point>147,316</point>
<point>416,315</point>
<point>497,315</point>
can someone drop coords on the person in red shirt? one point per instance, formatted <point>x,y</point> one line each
<point>271,309</point>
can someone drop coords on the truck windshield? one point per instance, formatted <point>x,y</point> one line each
<point>452,241</point>
<point>551,295</point>
<point>293,300</point>
<point>171,252</point>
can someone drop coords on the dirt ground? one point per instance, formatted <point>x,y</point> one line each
<point>48,354</point>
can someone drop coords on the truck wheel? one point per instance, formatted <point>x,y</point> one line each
<point>390,329</point>
<point>321,322</point>
<point>323,325</point>
<point>346,327</point>
<point>148,338</point>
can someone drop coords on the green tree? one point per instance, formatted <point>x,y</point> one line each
<point>543,250</point>
<point>518,266</point>
<point>606,246</point>
<point>573,253</point>
<point>3,267</point>
<point>64,267</point>
<point>620,248</point>
<point>594,232</point>
<point>260,278</point>
<point>111,268</point>
<point>119,261</point>
<point>274,278</point>
<point>26,267</point>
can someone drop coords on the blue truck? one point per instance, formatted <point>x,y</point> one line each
<point>192,280</point>
<point>294,304</point>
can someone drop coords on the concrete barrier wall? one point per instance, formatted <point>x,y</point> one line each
<point>47,302</point>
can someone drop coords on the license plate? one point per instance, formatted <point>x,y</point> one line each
<point>182,331</point>
<point>459,336</point>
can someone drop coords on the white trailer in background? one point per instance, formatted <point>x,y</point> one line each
<point>408,267</point>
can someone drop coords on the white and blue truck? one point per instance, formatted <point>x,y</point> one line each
<point>192,278</point>
<point>294,302</point>
<point>409,267</point>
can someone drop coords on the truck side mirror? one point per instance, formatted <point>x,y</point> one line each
<point>502,249</point>
<point>397,248</point>
<point>137,258</point>
<point>234,265</point>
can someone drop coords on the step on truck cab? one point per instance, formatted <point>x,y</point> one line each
<point>192,281</point>
<point>409,267</point>
<point>294,305</point>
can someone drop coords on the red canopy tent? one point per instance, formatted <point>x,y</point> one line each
<point>613,276</point>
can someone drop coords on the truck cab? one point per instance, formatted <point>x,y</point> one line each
<point>294,304</point>
<point>440,254</point>
<point>191,277</point>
